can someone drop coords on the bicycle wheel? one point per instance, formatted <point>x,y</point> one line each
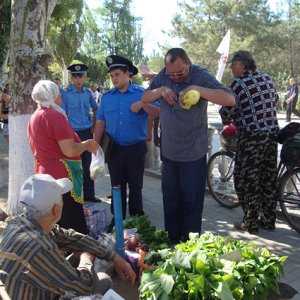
<point>220,178</point>
<point>289,197</point>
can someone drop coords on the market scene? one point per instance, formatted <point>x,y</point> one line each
<point>149,150</point>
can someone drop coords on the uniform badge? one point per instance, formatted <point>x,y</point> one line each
<point>77,68</point>
<point>109,60</point>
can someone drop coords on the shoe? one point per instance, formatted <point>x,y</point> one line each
<point>243,227</point>
<point>97,199</point>
<point>267,226</point>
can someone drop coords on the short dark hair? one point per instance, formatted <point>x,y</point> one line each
<point>175,53</point>
<point>246,59</point>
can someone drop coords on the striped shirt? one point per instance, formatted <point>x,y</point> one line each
<point>32,262</point>
<point>255,108</point>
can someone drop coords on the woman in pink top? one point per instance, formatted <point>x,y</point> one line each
<point>57,148</point>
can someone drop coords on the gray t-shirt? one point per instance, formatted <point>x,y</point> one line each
<point>184,132</point>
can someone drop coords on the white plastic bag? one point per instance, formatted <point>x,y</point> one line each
<point>112,295</point>
<point>97,167</point>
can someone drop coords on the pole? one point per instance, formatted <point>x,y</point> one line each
<point>118,217</point>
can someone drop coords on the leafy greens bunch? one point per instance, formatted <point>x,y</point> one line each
<point>211,267</point>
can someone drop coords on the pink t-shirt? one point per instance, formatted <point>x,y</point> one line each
<point>46,128</point>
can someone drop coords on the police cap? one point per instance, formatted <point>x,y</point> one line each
<point>116,61</point>
<point>78,68</point>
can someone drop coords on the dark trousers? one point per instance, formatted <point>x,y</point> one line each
<point>183,187</point>
<point>72,215</point>
<point>290,108</point>
<point>86,157</point>
<point>126,166</point>
<point>255,178</point>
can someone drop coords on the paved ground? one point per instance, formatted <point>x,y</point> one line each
<point>283,241</point>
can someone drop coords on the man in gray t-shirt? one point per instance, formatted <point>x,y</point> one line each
<point>184,139</point>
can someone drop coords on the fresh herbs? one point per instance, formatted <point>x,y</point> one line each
<point>154,238</point>
<point>211,267</point>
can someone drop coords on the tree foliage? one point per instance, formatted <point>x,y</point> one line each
<point>201,25</point>
<point>92,51</point>
<point>155,61</point>
<point>121,32</point>
<point>66,30</point>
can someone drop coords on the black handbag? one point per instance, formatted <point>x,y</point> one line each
<point>107,144</point>
<point>288,132</point>
<point>290,152</point>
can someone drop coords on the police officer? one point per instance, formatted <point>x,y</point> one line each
<point>80,107</point>
<point>124,117</point>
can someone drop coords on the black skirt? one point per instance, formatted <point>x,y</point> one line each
<point>73,215</point>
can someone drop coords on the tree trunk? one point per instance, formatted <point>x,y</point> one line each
<point>65,75</point>
<point>3,69</point>
<point>290,32</point>
<point>29,59</point>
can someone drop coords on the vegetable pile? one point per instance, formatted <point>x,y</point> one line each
<point>211,267</point>
<point>150,237</point>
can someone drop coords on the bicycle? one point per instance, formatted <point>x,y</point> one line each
<point>220,182</point>
<point>220,168</point>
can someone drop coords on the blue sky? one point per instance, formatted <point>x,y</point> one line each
<point>156,17</point>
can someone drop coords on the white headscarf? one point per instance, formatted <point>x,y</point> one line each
<point>44,93</point>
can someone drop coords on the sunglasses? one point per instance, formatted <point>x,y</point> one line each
<point>179,74</point>
<point>79,75</point>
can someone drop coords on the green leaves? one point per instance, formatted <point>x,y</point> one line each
<point>156,239</point>
<point>212,267</point>
<point>223,291</point>
<point>167,283</point>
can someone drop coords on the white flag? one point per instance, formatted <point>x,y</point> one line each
<point>223,49</point>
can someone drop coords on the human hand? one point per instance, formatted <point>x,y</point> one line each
<point>136,106</point>
<point>87,257</point>
<point>86,261</point>
<point>168,95</point>
<point>91,145</point>
<point>124,269</point>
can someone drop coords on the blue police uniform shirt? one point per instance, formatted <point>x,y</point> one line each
<point>78,106</point>
<point>123,125</point>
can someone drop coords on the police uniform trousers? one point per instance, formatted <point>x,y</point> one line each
<point>255,177</point>
<point>126,166</point>
<point>73,215</point>
<point>86,157</point>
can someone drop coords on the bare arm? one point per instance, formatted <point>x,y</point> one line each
<point>71,149</point>
<point>150,109</point>
<point>152,95</point>
<point>217,96</point>
<point>99,130</point>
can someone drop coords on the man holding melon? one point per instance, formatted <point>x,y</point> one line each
<point>184,89</point>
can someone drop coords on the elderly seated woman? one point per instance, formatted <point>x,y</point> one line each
<point>32,265</point>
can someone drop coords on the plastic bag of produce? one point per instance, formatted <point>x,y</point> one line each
<point>97,167</point>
